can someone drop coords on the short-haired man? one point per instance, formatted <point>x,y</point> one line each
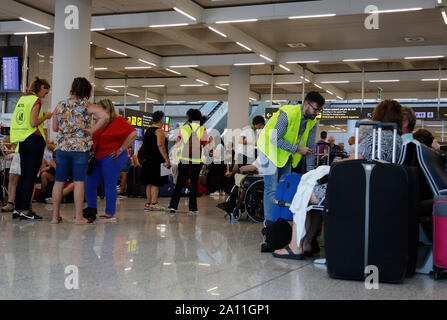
<point>286,139</point>
<point>245,149</point>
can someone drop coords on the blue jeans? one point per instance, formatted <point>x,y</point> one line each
<point>271,179</point>
<point>70,164</point>
<point>106,169</point>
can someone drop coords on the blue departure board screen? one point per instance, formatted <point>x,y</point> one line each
<point>10,73</point>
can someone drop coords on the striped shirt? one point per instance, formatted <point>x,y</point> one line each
<point>281,128</point>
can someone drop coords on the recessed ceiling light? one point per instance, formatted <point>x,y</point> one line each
<point>191,85</point>
<point>220,88</point>
<point>201,81</point>
<point>218,32</point>
<point>133,95</point>
<point>173,71</point>
<point>394,80</point>
<point>30,32</point>
<point>329,92</point>
<point>249,64</point>
<point>98,29</point>
<point>237,21</point>
<point>335,81</point>
<point>426,57</point>
<point>116,51</point>
<point>111,89</point>
<point>147,62</point>
<point>360,59</point>
<point>137,68</point>
<point>153,85</point>
<point>285,68</point>
<point>266,58</point>
<point>122,86</point>
<point>100,69</point>
<point>243,46</point>
<point>288,82</point>
<point>316,85</point>
<point>442,79</point>
<point>314,16</point>
<point>35,23</point>
<point>304,61</point>
<point>185,14</point>
<point>297,45</point>
<point>185,66</point>
<point>168,25</point>
<point>396,10</point>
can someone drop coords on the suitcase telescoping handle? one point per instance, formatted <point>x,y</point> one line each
<point>376,126</point>
<point>358,124</point>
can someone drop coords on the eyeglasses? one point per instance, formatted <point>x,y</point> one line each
<point>315,108</point>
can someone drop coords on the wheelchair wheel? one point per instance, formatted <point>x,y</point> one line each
<point>254,201</point>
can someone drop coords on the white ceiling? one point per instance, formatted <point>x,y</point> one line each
<point>328,39</point>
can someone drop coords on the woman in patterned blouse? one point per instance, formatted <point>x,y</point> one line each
<point>72,122</point>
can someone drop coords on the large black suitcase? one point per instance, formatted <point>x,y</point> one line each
<point>367,220</point>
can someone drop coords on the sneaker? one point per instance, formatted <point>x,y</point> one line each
<point>106,219</point>
<point>171,210</point>
<point>49,200</point>
<point>147,206</point>
<point>31,216</point>
<point>16,214</point>
<point>157,207</point>
<point>122,196</point>
<point>193,213</point>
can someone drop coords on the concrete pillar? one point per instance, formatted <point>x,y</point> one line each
<point>238,94</point>
<point>71,45</point>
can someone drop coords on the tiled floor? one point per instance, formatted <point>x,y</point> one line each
<point>156,256</point>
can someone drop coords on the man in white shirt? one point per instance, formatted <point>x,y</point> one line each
<point>246,147</point>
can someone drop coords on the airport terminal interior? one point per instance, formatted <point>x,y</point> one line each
<point>234,60</point>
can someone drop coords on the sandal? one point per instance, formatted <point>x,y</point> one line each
<point>291,255</point>
<point>59,220</point>
<point>7,210</point>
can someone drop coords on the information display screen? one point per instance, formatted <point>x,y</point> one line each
<point>10,76</point>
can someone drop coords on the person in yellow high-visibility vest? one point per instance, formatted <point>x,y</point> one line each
<point>286,139</point>
<point>190,142</point>
<point>27,130</point>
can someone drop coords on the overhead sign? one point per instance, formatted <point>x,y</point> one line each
<point>269,112</point>
<point>139,119</point>
<point>346,113</point>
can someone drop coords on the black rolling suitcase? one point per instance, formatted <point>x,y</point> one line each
<point>134,186</point>
<point>367,217</point>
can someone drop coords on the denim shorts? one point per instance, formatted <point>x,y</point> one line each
<point>71,165</point>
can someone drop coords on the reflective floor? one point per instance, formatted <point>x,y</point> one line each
<point>156,256</point>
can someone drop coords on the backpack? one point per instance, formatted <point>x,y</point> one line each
<point>277,235</point>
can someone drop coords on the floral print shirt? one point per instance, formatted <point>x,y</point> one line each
<point>71,120</point>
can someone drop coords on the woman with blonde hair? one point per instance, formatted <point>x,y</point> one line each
<point>110,144</point>
<point>27,130</point>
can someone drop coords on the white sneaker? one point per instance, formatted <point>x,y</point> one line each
<point>215,194</point>
<point>49,200</point>
<point>193,213</point>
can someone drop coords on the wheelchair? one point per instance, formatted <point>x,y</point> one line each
<point>248,197</point>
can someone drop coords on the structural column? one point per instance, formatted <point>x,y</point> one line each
<point>238,94</point>
<point>71,45</point>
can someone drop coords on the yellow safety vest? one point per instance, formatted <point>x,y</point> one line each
<point>21,119</point>
<point>186,132</point>
<point>278,156</point>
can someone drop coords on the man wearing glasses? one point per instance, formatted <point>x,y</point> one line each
<point>286,139</point>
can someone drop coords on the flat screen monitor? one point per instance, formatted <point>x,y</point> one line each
<point>10,69</point>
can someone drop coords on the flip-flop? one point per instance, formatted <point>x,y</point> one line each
<point>59,220</point>
<point>290,255</point>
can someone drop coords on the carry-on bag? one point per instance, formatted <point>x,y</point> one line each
<point>285,191</point>
<point>367,216</point>
<point>439,235</point>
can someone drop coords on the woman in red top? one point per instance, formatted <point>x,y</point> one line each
<point>113,138</point>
